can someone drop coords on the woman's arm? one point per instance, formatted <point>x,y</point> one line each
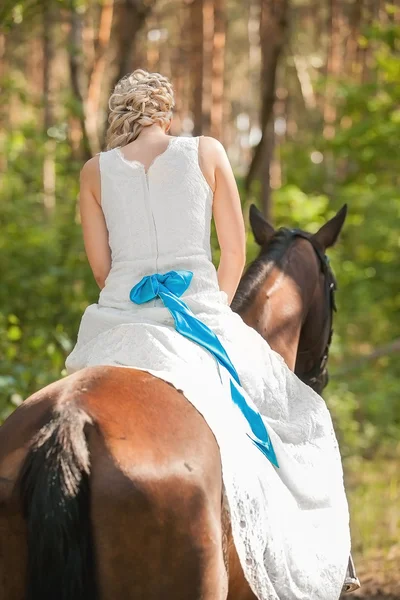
<point>227,213</point>
<point>95,234</point>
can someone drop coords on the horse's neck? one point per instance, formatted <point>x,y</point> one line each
<point>282,303</point>
<point>297,307</point>
<point>276,313</point>
<point>311,342</point>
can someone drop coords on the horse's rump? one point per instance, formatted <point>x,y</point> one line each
<point>121,457</point>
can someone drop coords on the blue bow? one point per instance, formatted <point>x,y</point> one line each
<point>169,287</point>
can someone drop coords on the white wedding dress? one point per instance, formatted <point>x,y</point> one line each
<point>290,524</point>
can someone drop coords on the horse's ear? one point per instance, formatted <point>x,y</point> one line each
<point>329,233</point>
<point>261,229</point>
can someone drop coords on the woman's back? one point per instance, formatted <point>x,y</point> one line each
<point>158,218</point>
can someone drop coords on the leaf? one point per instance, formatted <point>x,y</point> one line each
<point>14,333</point>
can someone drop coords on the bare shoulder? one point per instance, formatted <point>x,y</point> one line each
<point>210,144</point>
<point>91,169</point>
<point>214,157</point>
<point>90,179</point>
<point>213,160</point>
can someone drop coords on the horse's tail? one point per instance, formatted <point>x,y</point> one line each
<point>55,497</point>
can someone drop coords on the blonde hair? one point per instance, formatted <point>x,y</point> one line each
<point>138,100</point>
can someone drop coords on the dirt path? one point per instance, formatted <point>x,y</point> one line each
<point>380,597</point>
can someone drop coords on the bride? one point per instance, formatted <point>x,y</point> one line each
<point>146,207</point>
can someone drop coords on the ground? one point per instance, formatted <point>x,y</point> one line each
<point>374,496</point>
<point>379,578</point>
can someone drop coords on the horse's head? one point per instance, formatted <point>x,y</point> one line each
<point>287,294</point>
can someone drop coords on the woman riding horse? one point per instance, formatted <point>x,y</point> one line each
<point>119,444</point>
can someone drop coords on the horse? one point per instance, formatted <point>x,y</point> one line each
<point>91,508</point>
<point>279,299</point>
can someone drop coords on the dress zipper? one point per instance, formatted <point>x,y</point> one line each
<point>150,208</point>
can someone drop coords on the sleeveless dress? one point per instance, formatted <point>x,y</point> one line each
<point>290,523</point>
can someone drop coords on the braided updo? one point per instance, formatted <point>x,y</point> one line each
<point>138,100</point>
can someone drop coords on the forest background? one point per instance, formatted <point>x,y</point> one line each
<point>305,96</point>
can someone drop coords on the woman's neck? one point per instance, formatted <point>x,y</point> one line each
<point>151,131</point>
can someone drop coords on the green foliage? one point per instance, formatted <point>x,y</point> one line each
<point>360,168</point>
<point>46,282</point>
<point>372,485</point>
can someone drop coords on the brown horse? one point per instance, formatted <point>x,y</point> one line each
<point>110,481</point>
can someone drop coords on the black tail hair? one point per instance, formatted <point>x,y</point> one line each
<point>55,497</point>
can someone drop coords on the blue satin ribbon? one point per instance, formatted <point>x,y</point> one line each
<point>169,287</point>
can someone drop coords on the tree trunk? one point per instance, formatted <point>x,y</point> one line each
<point>4,114</point>
<point>305,83</point>
<point>218,69</point>
<point>352,46</point>
<point>315,8</point>
<point>76,71</point>
<point>49,168</point>
<point>94,93</point>
<point>333,67</point>
<point>268,152</point>
<point>368,74</point>
<point>273,26</point>
<point>152,47</point>
<point>47,60</point>
<point>208,47</point>
<point>180,70</point>
<point>197,65</point>
<point>254,61</point>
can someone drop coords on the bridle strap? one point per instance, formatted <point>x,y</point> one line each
<point>319,373</point>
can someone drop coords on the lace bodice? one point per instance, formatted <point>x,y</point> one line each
<point>157,220</point>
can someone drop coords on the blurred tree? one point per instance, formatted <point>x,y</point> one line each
<point>207,44</point>
<point>96,78</point>
<point>273,29</point>
<point>78,80</point>
<point>208,66</point>
<point>197,64</point>
<point>218,69</point>
<point>49,174</point>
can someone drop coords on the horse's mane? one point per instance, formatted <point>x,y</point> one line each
<point>270,255</point>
